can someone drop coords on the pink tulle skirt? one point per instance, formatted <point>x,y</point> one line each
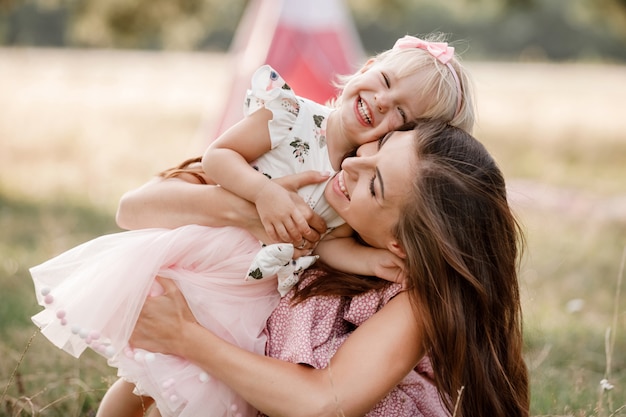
<point>93,294</point>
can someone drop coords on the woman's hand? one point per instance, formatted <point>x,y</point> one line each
<point>161,323</point>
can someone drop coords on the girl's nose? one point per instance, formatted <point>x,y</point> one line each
<point>382,102</point>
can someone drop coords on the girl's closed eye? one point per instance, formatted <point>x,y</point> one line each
<point>403,115</point>
<point>388,85</point>
<point>372,188</point>
<point>386,79</point>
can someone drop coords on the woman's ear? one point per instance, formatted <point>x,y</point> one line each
<point>397,249</point>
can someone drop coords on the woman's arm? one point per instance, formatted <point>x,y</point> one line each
<point>175,202</point>
<point>374,359</point>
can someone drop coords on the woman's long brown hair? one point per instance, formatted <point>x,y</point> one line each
<point>191,166</point>
<point>463,245</point>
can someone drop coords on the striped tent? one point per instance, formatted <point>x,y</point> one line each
<point>307,42</point>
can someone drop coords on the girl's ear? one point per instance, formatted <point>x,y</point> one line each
<point>367,65</point>
<point>397,249</point>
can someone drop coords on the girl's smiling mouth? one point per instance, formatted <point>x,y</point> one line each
<point>364,112</point>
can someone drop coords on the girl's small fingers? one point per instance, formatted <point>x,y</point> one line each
<point>297,253</point>
<point>302,227</point>
<point>294,233</point>
<point>271,233</point>
<point>283,235</point>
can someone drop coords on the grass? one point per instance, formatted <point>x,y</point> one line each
<point>82,128</point>
<point>47,382</point>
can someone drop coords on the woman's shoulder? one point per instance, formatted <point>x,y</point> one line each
<point>363,306</point>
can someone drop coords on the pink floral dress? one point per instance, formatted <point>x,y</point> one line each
<point>311,332</point>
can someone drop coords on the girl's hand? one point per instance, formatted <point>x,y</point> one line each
<point>281,218</point>
<point>388,266</point>
<point>316,225</point>
<point>292,183</point>
<point>163,317</point>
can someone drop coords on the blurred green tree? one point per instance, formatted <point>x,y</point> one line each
<point>507,29</point>
<point>181,24</point>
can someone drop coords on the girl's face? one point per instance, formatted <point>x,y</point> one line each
<point>369,190</point>
<point>377,100</point>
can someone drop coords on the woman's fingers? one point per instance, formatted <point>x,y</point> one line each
<point>161,318</point>
<point>168,284</point>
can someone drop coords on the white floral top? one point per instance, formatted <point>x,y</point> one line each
<point>298,135</point>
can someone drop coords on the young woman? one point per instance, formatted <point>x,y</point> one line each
<point>461,306</point>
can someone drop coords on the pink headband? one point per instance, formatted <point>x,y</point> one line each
<point>440,51</point>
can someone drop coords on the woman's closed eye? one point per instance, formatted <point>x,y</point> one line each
<point>383,139</point>
<point>380,141</point>
<point>372,187</point>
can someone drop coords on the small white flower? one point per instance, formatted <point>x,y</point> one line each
<point>606,385</point>
<point>575,305</point>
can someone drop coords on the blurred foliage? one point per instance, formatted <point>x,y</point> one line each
<point>182,24</point>
<point>500,29</point>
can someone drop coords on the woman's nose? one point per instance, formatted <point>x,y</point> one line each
<point>350,165</point>
<point>367,149</point>
<point>355,164</point>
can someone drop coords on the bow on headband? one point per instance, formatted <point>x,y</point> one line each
<point>440,51</point>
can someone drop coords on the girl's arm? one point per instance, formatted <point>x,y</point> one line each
<point>373,360</point>
<point>342,252</point>
<point>175,202</point>
<point>227,162</point>
<point>347,255</point>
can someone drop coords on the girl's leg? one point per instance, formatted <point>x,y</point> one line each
<point>119,401</point>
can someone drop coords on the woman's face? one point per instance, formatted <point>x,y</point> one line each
<point>369,190</point>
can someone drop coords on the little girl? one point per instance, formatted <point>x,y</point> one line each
<point>93,293</point>
<point>245,159</point>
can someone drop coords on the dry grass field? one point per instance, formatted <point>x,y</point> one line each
<point>78,128</point>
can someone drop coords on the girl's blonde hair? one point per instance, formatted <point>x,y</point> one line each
<point>440,84</point>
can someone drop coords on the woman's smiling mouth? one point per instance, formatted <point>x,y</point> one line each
<point>342,185</point>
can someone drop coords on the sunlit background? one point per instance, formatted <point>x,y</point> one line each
<point>96,96</point>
